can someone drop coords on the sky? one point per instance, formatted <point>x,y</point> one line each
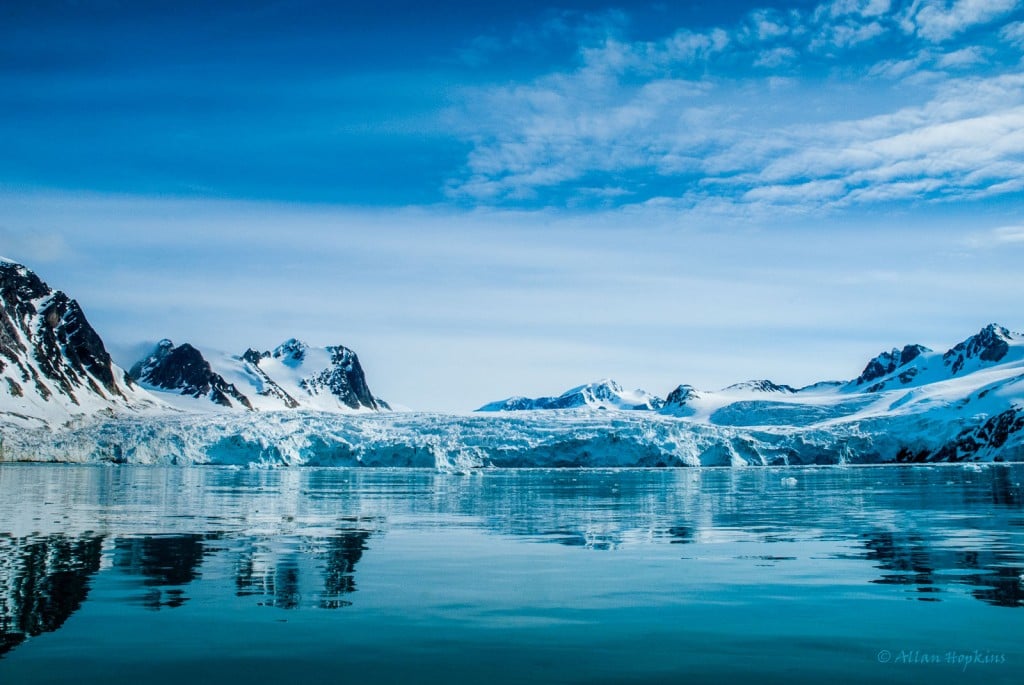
<point>492,200</point>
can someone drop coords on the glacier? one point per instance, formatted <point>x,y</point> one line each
<point>566,438</point>
<point>62,399</point>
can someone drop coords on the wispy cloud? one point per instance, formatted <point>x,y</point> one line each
<point>1013,33</point>
<point>940,20</point>
<point>682,120</point>
<point>1002,236</point>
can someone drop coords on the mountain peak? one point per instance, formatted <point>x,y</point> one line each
<point>291,350</point>
<point>761,385</point>
<point>990,344</point>
<point>183,369</point>
<point>605,387</point>
<point>48,348</point>
<point>887,362</point>
<point>601,394</point>
<point>343,378</point>
<point>682,394</point>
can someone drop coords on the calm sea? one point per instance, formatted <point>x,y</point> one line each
<point>801,575</point>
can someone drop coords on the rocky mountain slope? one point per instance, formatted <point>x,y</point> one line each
<point>63,399</point>
<point>55,368</point>
<point>292,376</point>
<point>53,364</point>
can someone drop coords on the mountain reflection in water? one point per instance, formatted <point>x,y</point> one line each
<point>299,540</point>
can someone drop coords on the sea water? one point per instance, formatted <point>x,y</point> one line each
<point>804,575</point>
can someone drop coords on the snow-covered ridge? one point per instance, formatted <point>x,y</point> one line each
<point>63,399</point>
<point>293,376</point>
<point>53,364</point>
<point>55,368</point>
<point>603,394</point>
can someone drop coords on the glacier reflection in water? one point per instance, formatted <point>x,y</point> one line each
<point>862,574</point>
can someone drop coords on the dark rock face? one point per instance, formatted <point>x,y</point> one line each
<point>991,344</point>
<point>66,328</point>
<point>681,395</point>
<point>344,379</point>
<point>254,357</point>
<point>887,362</point>
<point>45,335</point>
<point>993,433</point>
<point>678,401</point>
<point>269,388</point>
<point>291,351</point>
<point>184,369</point>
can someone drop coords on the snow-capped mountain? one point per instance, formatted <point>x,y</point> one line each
<point>292,376</point>
<point>63,399</point>
<point>53,364</point>
<point>887,362</point>
<point>916,365</point>
<point>184,371</point>
<point>963,404</point>
<point>761,386</point>
<point>603,394</point>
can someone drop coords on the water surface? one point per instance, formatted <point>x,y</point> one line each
<point>856,574</point>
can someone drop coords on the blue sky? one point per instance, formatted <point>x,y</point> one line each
<point>491,200</point>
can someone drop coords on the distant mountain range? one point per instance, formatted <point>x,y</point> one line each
<point>604,394</point>
<point>63,398</point>
<point>54,365</point>
<point>292,376</point>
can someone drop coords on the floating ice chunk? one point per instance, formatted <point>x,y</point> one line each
<point>789,481</point>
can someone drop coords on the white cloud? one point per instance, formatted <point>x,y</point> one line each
<point>847,35</point>
<point>966,141</point>
<point>1013,33</point>
<point>859,8</point>
<point>896,69</point>
<point>940,20</point>
<point>810,193</point>
<point>1008,235</point>
<point>965,57</point>
<point>775,57</point>
<point>1001,237</point>
<point>766,25</point>
<point>690,134</point>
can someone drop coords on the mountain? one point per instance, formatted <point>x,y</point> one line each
<point>292,376</point>
<point>908,404</point>
<point>916,365</point>
<point>604,394</point>
<point>183,370</point>
<point>53,364</point>
<point>761,386</point>
<point>63,399</point>
<point>887,362</point>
